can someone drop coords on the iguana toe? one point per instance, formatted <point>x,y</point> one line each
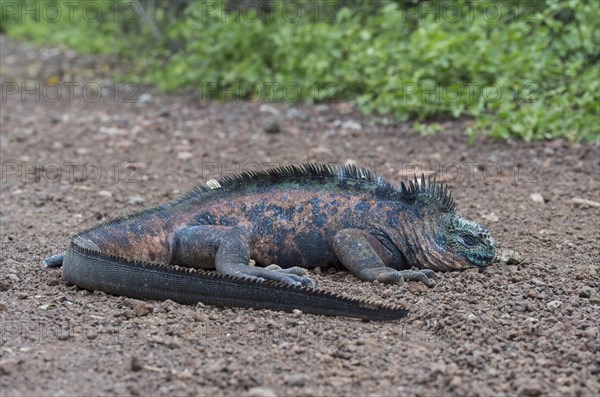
<point>293,279</point>
<point>385,275</point>
<point>273,267</point>
<point>299,271</point>
<point>308,282</point>
<point>287,276</point>
<point>429,273</point>
<point>419,275</point>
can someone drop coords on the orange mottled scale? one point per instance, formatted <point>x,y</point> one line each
<point>290,225</point>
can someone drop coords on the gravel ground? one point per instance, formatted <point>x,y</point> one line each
<point>524,327</point>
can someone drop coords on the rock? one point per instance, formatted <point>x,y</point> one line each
<point>272,127</point>
<point>315,151</point>
<point>134,390</point>
<point>295,113</point>
<point>530,387</point>
<point>105,193</point>
<point>351,125</point>
<point>4,286</point>
<point>54,117</point>
<point>297,313</point>
<point>136,200</point>
<point>456,382</point>
<point>140,308</point>
<point>586,292</point>
<point>554,304</point>
<point>261,392</point>
<point>266,108</point>
<point>508,256</point>
<point>109,130</point>
<point>537,198</point>
<point>136,364</point>
<point>438,368</point>
<point>145,98</point>
<point>297,380</point>
<point>322,108</point>
<point>491,217</point>
<point>184,155</point>
<point>8,366</point>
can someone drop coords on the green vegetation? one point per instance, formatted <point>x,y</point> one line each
<point>520,69</point>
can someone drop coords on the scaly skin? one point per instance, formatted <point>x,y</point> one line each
<point>297,217</point>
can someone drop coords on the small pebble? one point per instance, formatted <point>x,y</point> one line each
<point>136,200</point>
<point>537,198</point>
<point>184,155</point>
<point>261,392</point>
<point>266,108</point>
<point>8,367</point>
<point>351,125</point>
<point>297,380</point>
<point>297,114</point>
<point>145,98</point>
<point>272,128</point>
<point>136,364</point>
<point>554,304</point>
<point>491,217</point>
<point>585,292</point>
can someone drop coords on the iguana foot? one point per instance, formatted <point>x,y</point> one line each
<point>383,275</point>
<point>293,271</point>
<point>299,271</point>
<point>425,276</point>
<point>287,276</point>
<point>390,276</point>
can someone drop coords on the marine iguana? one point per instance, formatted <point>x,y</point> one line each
<point>297,216</point>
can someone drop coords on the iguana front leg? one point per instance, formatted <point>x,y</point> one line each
<point>363,256</point>
<point>226,249</point>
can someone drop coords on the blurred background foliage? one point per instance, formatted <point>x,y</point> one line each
<point>518,69</point>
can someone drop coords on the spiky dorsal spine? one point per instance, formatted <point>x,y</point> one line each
<point>427,188</point>
<point>347,171</point>
<point>431,189</point>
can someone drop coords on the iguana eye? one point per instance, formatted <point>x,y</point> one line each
<point>469,240</point>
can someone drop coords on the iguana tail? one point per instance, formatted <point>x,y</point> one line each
<point>94,270</point>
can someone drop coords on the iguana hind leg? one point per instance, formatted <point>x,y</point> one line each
<point>226,249</point>
<point>362,255</point>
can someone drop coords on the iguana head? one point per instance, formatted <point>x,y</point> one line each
<point>438,238</point>
<point>469,243</point>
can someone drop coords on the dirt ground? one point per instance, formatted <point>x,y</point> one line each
<point>526,327</point>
